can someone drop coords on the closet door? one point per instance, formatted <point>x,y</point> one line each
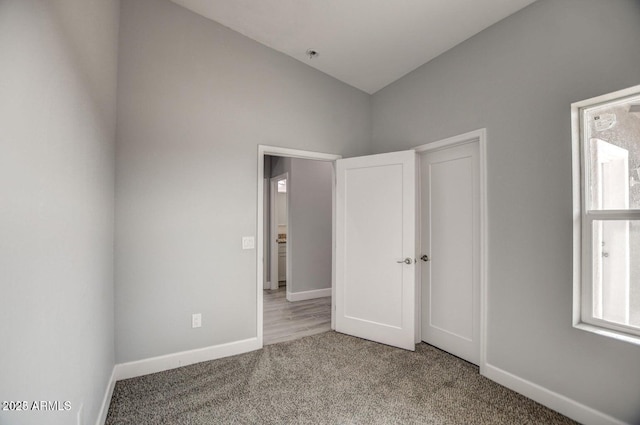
<point>450,258</point>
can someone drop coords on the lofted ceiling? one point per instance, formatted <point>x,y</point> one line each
<point>365,43</point>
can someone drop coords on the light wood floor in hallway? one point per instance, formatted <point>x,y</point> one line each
<point>286,321</point>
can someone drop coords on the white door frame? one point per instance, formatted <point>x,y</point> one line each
<point>287,153</point>
<point>480,137</point>
<point>273,234</point>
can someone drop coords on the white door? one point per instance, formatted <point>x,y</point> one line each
<point>375,248</point>
<point>450,239</point>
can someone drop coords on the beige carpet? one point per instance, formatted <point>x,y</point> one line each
<point>328,378</point>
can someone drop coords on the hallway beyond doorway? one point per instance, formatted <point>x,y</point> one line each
<point>286,321</point>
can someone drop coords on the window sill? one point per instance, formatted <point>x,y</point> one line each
<point>620,336</point>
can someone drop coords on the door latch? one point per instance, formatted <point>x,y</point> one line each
<point>425,257</point>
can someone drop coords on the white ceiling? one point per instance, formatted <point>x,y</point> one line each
<point>365,43</point>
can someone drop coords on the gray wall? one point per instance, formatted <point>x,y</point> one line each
<point>518,79</point>
<point>309,239</point>
<point>194,101</point>
<point>310,209</point>
<point>57,115</point>
<point>279,165</point>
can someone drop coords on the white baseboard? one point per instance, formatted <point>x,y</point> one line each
<point>184,358</point>
<point>568,407</point>
<point>308,295</point>
<point>106,401</point>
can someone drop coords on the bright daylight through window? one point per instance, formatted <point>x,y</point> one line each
<point>607,214</point>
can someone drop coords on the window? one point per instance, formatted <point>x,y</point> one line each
<point>606,163</point>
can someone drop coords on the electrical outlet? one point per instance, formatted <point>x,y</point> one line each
<point>196,320</point>
<point>248,242</point>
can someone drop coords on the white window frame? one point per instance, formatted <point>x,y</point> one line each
<point>583,219</point>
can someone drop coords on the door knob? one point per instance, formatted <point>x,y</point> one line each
<point>425,257</point>
<point>406,261</point>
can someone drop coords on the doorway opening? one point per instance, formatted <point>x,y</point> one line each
<point>297,242</point>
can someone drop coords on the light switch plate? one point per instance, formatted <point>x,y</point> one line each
<point>196,320</point>
<point>248,242</point>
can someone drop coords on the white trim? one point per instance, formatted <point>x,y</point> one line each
<point>484,248</point>
<point>333,246</point>
<point>460,139</point>
<point>308,295</point>
<point>568,407</point>
<point>576,184</point>
<point>284,152</point>
<point>296,153</point>
<point>274,251</point>
<point>418,252</point>
<point>184,358</point>
<point>266,206</point>
<point>611,333</point>
<point>479,136</point>
<point>106,401</point>
<point>288,262</point>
